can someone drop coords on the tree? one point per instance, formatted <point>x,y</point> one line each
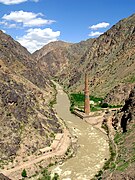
<point>104,105</point>
<point>24,173</point>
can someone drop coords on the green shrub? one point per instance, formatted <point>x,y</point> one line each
<point>123,166</point>
<point>46,175</point>
<point>104,105</point>
<point>24,173</point>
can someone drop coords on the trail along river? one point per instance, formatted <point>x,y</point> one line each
<point>93,144</point>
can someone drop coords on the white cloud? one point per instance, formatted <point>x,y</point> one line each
<point>19,16</point>
<point>38,22</point>
<point>3,31</point>
<point>10,2</point>
<point>26,19</point>
<point>99,25</point>
<point>37,38</point>
<point>95,34</point>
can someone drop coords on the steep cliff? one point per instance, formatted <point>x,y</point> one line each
<point>123,165</point>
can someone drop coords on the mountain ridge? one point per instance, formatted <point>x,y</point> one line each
<point>108,59</point>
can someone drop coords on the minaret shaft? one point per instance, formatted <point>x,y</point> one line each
<point>87,100</point>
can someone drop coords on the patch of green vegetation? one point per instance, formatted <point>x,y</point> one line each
<point>119,160</point>
<point>118,138</point>
<point>131,79</point>
<point>24,173</point>
<point>72,106</point>
<point>112,165</point>
<point>107,164</point>
<point>95,108</point>
<point>46,175</point>
<point>106,105</point>
<point>52,102</point>
<point>96,99</point>
<point>123,166</point>
<point>77,99</point>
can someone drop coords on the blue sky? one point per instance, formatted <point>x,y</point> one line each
<point>35,23</point>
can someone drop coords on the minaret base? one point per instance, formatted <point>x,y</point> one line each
<point>82,115</point>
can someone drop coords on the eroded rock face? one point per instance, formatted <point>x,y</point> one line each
<point>52,58</point>
<point>124,166</point>
<point>118,94</point>
<point>26,120</point>
<point>128,111</point>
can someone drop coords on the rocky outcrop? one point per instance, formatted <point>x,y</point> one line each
<point>123,165</point>
<point>128,111</point>
<point>119,94</point>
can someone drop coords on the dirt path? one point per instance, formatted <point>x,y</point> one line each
<point>62,148</point>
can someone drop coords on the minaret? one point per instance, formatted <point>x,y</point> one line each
<point>87,100</point>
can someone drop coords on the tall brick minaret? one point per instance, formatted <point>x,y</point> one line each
<point>87,100</point>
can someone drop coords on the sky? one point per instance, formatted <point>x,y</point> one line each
<point>35,23</point>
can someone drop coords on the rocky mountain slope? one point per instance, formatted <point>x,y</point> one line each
<point>52,57</point>
<point>109,60</point>
<point>27,122</point>
<point>123,167</point>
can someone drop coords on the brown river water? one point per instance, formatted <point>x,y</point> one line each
<point>93,144</point>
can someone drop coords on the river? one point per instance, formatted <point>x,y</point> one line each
<point>93,144</point>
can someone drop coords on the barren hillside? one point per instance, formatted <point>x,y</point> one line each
<point>27,120</point>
